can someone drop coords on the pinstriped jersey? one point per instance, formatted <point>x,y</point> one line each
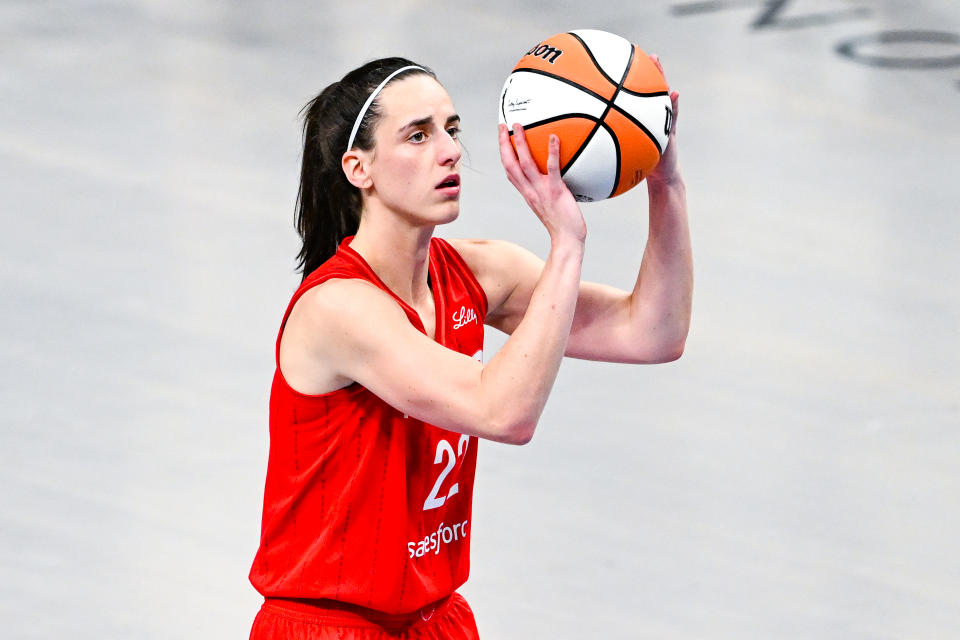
<point>363,504</point>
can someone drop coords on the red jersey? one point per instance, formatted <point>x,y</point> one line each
<point>363,504</point>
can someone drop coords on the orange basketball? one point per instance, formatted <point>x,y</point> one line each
<point>606,101</point>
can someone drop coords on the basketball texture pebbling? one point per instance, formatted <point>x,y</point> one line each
<point>606,101</point>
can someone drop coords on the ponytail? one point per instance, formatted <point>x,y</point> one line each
<point>328,206</point>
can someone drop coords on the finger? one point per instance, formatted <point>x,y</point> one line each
<point>656,61</point>
<point>675,103</point>
<point>508,155</point>
<point>507,152</point>
<point>524,157</point>
<point>553,156</point>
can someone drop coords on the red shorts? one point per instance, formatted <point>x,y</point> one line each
<point>283,619</point>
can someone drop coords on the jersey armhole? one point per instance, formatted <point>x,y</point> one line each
<point>304,288</point>
<point>476,290</point>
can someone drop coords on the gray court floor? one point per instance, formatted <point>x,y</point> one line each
<point>794,475</point>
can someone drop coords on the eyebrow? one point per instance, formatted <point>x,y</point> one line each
<point>427,120</point>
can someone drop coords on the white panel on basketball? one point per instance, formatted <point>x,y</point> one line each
<point>592,174</point>
<point>650,110</point>
<point>531,97</point>
<point>611,51</point>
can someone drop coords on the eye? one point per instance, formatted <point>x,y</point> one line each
<point>417,136</point>
<point>454,132</point>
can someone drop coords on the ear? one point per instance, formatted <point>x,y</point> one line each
<point>355,167</point>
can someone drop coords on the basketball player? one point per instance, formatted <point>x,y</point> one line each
<point>380,393</point>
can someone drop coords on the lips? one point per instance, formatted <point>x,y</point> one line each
<point>451,181</point>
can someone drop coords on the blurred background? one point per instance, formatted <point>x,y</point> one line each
<point>794,475</point>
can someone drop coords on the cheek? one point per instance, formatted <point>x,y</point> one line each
<point>407,171</point>
<point>403,170</point>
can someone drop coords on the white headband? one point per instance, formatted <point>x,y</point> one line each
<point>373,96</point>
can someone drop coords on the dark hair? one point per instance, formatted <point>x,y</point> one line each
<point>328,206</point>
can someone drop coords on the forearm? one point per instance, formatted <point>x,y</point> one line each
<point>661,301</point>
<point>517,381</point>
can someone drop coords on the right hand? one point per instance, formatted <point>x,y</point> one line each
<point>545,193</point>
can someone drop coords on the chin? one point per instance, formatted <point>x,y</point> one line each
<point>450,215</point>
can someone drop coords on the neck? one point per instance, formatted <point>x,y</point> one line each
<point>397,252</point>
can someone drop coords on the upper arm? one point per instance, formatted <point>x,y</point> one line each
<point>507,273</point>
<point>605,323</point>
<point>353,331</point>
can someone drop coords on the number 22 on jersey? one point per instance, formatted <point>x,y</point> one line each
<point>447,456</point>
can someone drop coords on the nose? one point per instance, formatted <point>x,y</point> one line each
<point>449,150</point>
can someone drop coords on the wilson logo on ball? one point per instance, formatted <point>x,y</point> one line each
<point>545,51</point>
<point>603,97</point>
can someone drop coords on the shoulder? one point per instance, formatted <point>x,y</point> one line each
<point>486,257</point>
<point>332,326</point>
<point>343,301</point>
<point>502,268</point>
<point>332,323</point>
<point>341,317</point>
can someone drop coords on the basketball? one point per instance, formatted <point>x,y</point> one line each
<point>606,101</point>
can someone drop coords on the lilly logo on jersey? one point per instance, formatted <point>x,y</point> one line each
<point>463,317</point>
<point>432,542</point>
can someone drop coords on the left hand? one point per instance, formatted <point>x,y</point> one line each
<point>667,170</point>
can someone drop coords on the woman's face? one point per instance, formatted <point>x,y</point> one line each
<point>415,163</point>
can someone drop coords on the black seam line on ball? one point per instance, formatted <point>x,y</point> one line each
<point>567,81</point>
<point>563,116</point>
<point>585,116</point>
<point>596,127</point>
<point>616,145</point>
<point>619,88</point>
<point>596,62</point>
<point>613,137</point>
<point>503,98</point>
<point>644,94</point>
<point>639,124</point>
<point>598,122</point>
